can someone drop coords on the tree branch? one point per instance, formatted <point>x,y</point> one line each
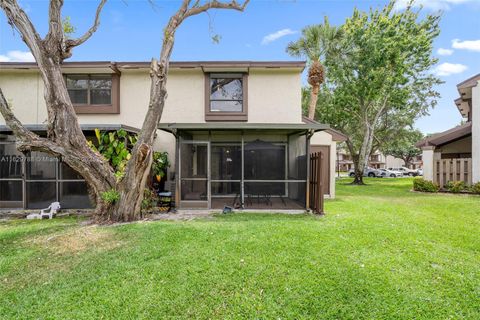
<point>214,4</point>
<point>76,42</point>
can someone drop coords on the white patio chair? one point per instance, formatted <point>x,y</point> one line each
<point>54,208</point>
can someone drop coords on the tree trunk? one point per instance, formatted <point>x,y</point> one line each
<point>408,161</point>
<point>360,160</point>
<point>358,176</point>
<point>313,101</point>
<point>132,186</point>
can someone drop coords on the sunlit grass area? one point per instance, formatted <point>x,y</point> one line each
<point>380,252</point>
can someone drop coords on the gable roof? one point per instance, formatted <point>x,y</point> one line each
<point>442,138</point>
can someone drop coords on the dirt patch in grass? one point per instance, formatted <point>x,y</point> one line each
<point>77,240</point>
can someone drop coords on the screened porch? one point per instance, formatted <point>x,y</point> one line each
<point>249,169</point>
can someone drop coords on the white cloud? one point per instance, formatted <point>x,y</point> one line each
<point>445,52</point>
<point>446,69</point>
<point>472,45</point>
<point>434,5</point>
<point>17,56</point>
<point>277,35</point>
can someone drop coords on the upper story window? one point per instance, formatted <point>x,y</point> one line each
<point>226,97</point>
<point>94,93</point>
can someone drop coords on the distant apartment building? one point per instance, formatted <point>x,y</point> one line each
<point>377,160</point>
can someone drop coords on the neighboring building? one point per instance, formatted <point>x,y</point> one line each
<point>233,130</point>
<point>417,163</point>
<point>344,160</point>
<point>454,155</point>
<point>377,160</point>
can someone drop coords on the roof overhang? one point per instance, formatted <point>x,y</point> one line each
<point>463,106</point>
<point>464,88</point>
<point>67,67</point>
<point>229,126</point>
<point>445,137</point>
<point>337,136</point>
<point>115,67</point>
<point>84,127</point>
<point>469,83</point>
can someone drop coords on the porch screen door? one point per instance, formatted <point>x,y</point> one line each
<point>194,174</point>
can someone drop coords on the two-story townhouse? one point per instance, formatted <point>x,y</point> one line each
<point>454,155</point>
<point>234,132</point>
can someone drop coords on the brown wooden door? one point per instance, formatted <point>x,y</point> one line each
<point>325,150</point>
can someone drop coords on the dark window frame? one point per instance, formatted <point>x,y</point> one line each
<point>112,108</point>
<point>226,115</point>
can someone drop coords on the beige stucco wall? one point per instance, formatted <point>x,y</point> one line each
<point>476,133</point>
<point>24,92</point>
<point>274,96</point>
<point>323,138</point>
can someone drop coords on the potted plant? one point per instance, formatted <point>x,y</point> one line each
<point>160,164</point>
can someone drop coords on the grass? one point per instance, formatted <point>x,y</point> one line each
<point>381,252</point>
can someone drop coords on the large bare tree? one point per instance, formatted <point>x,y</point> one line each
<point>64,135</point>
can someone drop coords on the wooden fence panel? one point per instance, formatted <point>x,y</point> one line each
<point>446,170</point>
<point>316,197</point>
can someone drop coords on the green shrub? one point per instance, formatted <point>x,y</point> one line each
<point>115,147</point>
<point>423,185</point>
<point>475,188</point>
<point>160,163</point>
<point>455,186</point>
<point>111,196</point>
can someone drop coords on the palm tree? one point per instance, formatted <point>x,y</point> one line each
<point>316,43</point>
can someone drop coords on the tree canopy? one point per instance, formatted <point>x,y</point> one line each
<point>403,145</point>
<point>381,82</point>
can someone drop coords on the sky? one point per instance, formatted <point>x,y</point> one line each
<point>131,30</point>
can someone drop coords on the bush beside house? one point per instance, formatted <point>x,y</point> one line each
<point>423,185</point>
<point>475,188</point>
<point>455,186</point>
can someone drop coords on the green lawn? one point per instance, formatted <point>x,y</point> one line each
<point>381,252</point>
